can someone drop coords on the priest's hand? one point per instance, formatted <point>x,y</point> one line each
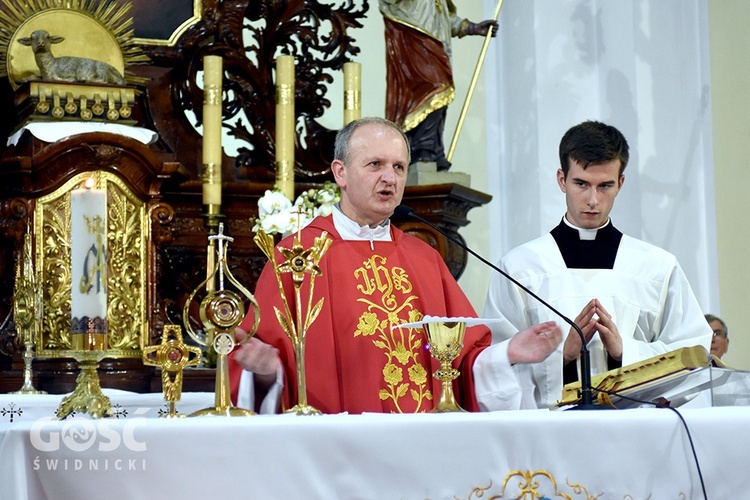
<point>535,343</point>
<point>608,332</point>
<point>586,321</point>
<point>258,357</point>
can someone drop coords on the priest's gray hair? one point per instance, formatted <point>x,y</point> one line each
<point>341,147</point>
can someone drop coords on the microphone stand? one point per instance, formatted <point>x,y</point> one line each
<point>587,403</point>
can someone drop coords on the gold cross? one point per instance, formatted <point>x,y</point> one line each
<point>172,355</point>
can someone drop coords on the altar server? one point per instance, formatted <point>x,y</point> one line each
<point>631,299</point>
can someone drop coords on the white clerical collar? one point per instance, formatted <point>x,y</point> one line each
<point>585,234</point>
<point>350,230</point>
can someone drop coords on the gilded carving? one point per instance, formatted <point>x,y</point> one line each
<point>124,229</point>
<point>52,232</point>
<point>127,232</point>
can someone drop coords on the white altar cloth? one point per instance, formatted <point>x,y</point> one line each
<point>15,408</point>
<point>55,131</point>
<point>636,453</point>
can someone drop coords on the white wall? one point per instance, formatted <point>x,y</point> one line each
<point>730,91</point>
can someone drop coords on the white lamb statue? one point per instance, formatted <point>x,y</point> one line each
<point>68,68</point>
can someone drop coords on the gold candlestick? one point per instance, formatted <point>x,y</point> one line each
<point>27,307</point>
<point>212,151</point>
<point>88,250</point>
<point>298,261</point>
<point>285,125</point>
<point>352,92</point>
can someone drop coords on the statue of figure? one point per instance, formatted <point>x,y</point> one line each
<point>419,77</point>
<point>68,68</point>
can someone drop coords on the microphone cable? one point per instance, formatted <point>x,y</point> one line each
<point>679,415</point>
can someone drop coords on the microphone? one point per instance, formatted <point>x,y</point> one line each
<point>404,212</point>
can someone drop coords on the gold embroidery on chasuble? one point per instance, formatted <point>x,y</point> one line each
<point>387,294</point>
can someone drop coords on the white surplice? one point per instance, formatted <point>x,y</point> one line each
<point>646,293</point>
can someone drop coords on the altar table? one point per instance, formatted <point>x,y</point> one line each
<point>618,454</point>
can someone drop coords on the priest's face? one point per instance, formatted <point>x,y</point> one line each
<point>372,180</point>
<point>590,192</point>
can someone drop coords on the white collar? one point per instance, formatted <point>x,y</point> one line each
<point>585,234</point>
<point>350,230</point>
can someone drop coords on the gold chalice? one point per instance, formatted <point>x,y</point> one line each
<point>446,339</point>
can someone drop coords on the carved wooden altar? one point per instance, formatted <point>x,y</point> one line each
<point>166,175</point>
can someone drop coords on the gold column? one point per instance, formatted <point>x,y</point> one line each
<point>285,125</point>
<point>352,92</point>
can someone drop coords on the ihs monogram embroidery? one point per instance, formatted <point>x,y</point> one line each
<point>390,303</point>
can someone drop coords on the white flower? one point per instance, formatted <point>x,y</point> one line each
<point>276,214</point>
<point>326,197</point>
<point>273,202</point>
<point>324,210</point>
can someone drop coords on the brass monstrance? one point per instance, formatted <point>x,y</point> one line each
<point>298,261</point>
<point>221,311</point>
<point>27,307</point>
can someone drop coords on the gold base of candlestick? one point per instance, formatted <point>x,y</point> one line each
<point>304,410</point>
<point>87,396</point>
<point>88,342</point>
<point>28,384</point>
<point>28,389</point>
<point>172,412</point>
<point>228,411</point>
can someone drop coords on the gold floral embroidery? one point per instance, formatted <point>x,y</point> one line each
<point>533,485</point>
<point>389,303</point>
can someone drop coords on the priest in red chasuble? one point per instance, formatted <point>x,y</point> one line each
<point>374,276</point>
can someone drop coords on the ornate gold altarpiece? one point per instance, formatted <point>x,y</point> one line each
<point>161,235</point>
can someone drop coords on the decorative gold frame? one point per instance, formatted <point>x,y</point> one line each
<point>97,29</point>
<point>127,256</point>
<point>178,32</point>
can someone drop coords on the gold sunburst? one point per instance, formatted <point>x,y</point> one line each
<point>98,29</point>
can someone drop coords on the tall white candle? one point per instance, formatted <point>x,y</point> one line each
<point>285,120</point>
<point>212,91</point>
<point>88,257</point>
<point>352,91</point>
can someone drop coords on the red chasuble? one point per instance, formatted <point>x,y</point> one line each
<point>354,361</point>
